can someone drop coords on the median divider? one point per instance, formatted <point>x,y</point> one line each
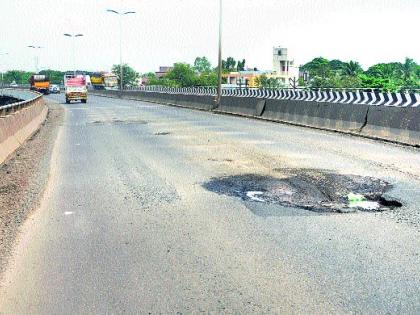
<point>20,123</point>
<point>394,124</point>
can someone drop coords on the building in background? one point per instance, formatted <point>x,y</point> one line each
<point>247,78</point>
<point>284,67</point>
<point>163,71</point>
<point>284,71</point>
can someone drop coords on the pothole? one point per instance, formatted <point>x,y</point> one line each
<point>8,188</point>
<point>163,133</point>
<point>314,190</point>
<point>6,100</point>
<point>119,122</point>
<point>220,160</point>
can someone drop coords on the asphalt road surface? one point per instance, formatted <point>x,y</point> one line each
<point>145,212</point>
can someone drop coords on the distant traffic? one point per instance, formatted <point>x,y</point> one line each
<point>75,84</point>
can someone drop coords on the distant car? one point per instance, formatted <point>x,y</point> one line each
<point>54,88</point>
<point>13,84</point>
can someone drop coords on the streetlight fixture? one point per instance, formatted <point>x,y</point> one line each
<point>74,36</point>
<point>121,14</point>
<point>219,81</point>
<point>36,56</point>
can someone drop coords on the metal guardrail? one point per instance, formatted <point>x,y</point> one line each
<point>27,97</point>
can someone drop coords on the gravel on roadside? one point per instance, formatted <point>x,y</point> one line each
<point>23,178</point>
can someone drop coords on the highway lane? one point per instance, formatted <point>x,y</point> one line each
<point>127,224</point>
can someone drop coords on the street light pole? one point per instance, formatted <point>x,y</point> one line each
<point>121,66</point>
<point>73,36</point>
<point>36,56</point>
<point>219,82</point>
<point>120,14</point>
<point>2,81</point>
<point>73,54</point>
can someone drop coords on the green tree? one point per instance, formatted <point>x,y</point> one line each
<point>390,70</point>
<point>385,84</point>
<point>350,81</point>
<point>329,81</point>
<point>150,78</point>
<point>202,65</point>
<point>352,68</point>
<point>318,67</point>
<point>182,74</point>
<point>130,76</point>
<point>18,76</point>
<point>391,76</point>
<point>164,81</point>
<point>321,75</point>
<point>387,76</point>
<point>408,69</point>
<point>262,81</point>
<point>337,65</point>
<point>241,65</point>
<point>265,82</point>
<point>56,77</point>
<point>229,65</point>
<point>207,79</point>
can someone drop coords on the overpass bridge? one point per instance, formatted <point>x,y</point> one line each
<point>159,209</point>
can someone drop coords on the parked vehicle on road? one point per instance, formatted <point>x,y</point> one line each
<point>76,89</point>
<point>40,83</point>
<point>54,88</point>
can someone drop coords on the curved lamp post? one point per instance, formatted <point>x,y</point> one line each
<point>121,14</point>
<point>74,36</point>
<point>36,56</point>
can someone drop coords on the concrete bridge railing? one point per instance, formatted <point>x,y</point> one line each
<point>398,123</point>
<point>340,96</point>
<point>19,120</point>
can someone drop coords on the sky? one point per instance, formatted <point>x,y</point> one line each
<point>166,31</point>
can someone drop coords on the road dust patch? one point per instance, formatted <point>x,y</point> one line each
<point>119,122</point>
<point>314,190</point>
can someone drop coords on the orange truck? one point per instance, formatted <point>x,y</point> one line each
<point>40,83</point>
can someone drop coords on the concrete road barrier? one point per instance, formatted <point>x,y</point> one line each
<point>400,124</point>
<point>390,123</point>
<point>204,102</point>
<point>239,105</point>
<point>260,107</point>
<point>332,116</point>
<point>18,126</point>
<point>196,101</point>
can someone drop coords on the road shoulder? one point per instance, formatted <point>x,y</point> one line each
<point>23,179</point>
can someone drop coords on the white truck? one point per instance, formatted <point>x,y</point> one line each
<point>76,89</point>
